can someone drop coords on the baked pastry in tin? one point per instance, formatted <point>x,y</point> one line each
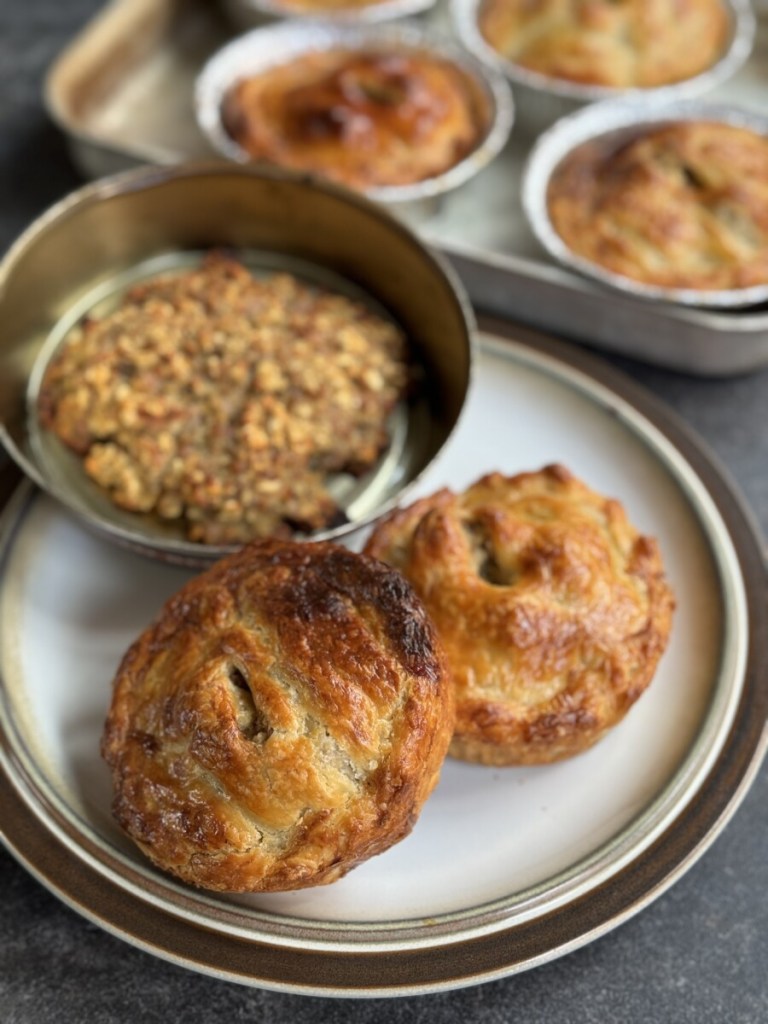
<point>553,610</point>
<point>368,118</point>
<point>680,205</point>
<point>629,44</point>
<point>284,719</point>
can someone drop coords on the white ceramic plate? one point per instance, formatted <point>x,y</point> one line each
<point>506,867</point>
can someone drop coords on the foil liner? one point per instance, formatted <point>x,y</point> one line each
<point>624,119</point>
<point>247,14</point>
<point>260,49</point>
<point>541,99</point>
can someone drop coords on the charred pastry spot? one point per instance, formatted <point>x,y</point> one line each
<point>383,82</point>
<point>146,741</point>
<point>339,518</point>
<point>319,122</point>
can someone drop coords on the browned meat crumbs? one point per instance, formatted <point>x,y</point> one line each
<point>226,400</point>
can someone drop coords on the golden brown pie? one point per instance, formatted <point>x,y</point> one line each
<point>283,719</point>
<point>683,205</point>
<point>616,43</point>
<point>552,609</point>
<point>366,118</point>
<point>227,401</point>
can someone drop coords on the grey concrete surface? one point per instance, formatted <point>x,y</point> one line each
<point>698,954</point>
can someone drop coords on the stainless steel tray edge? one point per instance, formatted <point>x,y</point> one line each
<point>701,342</point>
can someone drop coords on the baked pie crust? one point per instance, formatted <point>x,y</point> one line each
<point>552,609</point>
<point>616,43</point>
<point>366,118</point>
<point>682,205</point>
<point>283,719</point>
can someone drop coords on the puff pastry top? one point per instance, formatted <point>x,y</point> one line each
<point>363,118</point>
<point>684,205</point>
<point>553,610</point>
<point>284,718</point>
<point>615,43</point>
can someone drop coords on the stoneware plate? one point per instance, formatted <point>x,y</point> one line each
<point>506,868</point>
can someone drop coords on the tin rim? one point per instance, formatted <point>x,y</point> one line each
<point>177,549</point>
<point>263,48</point>
<point>464,14</point>
<point>373,12</point>
<point>630,117</point>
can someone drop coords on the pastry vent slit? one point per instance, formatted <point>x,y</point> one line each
<point>487,566</point>
<point>692,178</point>
<point>251,720</point>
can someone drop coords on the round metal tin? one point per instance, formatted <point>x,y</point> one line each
<point>263,48</point>
<point>80,256</point>
<point>541,99</point>
<point>624,119</point>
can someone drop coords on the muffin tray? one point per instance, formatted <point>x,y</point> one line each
<point>122,92</point>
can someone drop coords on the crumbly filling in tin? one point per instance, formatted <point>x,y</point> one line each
<point>225,400</point>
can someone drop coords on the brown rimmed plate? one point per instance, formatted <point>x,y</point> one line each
<point>569,858</point>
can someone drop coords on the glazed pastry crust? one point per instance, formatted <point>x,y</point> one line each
<point>553,610</point>
<point>366,119</point>
<point>681,206</point>
<point>284,719</point>
<point>629,44</point>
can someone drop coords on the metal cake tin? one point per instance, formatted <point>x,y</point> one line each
<point>542,99</point>
<point>263,48</point>
<point>247,14</point>
<point>619,121</point>
<point>78,258</point>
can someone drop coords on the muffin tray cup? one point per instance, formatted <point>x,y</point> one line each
<point>543,99</point>
<point>613,124</point>
<point>123,93</point>
<point>258,51</point>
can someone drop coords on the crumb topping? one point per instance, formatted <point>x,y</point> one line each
<point>225,400</point>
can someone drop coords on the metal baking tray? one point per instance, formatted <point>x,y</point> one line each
<point>122,92</point>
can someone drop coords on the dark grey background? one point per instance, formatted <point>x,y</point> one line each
<point>698,954</point>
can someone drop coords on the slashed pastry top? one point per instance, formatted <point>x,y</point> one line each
<point>615,43</point>
<point>682,205</point>
<point>552,609</point>
<point>226,400</point>
<point>283,719</point>
<point>366,118</point>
